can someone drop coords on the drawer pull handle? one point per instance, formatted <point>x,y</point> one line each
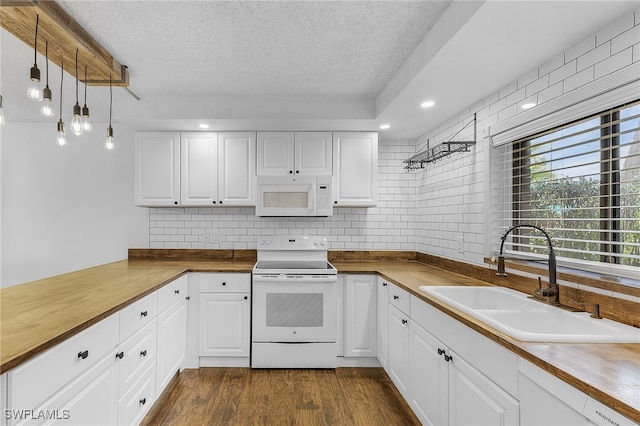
<point>404,321</point>
<point>384,284</point>
<point>396,297</point>
<point>177,291</point>
<point>188,297</point>
<point>119,355</point>
<point>143,401</point>
<point>143,313</point>
<point>440,351</point>
<point>447,357</point>
<point>83,354</point>
<point>143,353</point>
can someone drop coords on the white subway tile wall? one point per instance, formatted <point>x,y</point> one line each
<point>385,227</point>
<point>443,210</point>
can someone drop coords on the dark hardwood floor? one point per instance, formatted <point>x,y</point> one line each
<point>244,396</point>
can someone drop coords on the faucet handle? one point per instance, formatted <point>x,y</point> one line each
<point>595,308</point>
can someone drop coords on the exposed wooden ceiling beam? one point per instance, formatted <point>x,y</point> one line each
<point>65,35</point>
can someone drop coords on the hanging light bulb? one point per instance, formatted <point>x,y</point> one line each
<point>76,121</point>
<point>86,124</point>
<point>61,140</point>
<point>47,107</point>
<point>109,144</point>
<point>33,91</point>
<point>1,112</point>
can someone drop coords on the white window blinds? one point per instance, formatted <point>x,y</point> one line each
<point>581,182</point>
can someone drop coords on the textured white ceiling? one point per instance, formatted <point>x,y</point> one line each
<point>347,49</point>
<point>309,65</point>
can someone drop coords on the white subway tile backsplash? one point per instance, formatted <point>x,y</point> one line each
<point>614,63</point>
<point>594,56</point>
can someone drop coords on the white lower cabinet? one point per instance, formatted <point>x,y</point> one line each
<point>172,342</point>
<point>399,350</point>
<point>360,315</point>
<point>224,323</point>
<point>382,326</point>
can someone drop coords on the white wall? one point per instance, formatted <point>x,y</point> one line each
<point>454,195</point>
<point>65,208</point>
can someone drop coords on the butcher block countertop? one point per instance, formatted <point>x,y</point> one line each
<point>37,315</point>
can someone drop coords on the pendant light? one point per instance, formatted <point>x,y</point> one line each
<point>47,106</point>
<point>76,121</point>
<point>86,124</point>
<point>1,112</point>
<point>34,92</point>
<point>109,145</point>
<point>61,140</point>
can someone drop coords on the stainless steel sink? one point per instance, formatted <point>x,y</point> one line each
<point>516,315</point>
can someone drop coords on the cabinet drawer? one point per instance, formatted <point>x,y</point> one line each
<point>400,298</point>
<point>225,283</point>
<point>136,354</point>
<point>172,292</point>
<point>31,383</point>
<point>136,403</point>
<point>138,314</point>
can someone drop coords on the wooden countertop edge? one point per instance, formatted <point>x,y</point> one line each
<point>372,268</point>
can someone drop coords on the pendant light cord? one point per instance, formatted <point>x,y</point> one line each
<point>77,76</point>
<point>46,54</point>
<point>85,85</point>
<point>61,81</point>
<point>35,43</point>
<point>110,100</point>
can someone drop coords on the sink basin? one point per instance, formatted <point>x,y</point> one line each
<point>522,318</point>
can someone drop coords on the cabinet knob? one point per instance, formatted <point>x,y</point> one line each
<point>290,172</point>
<point>224,283</point>
<point>119,355</point>
<point>143,401</point>
<point>177,291</point>
<point>335,202</point>
<point>143,313</point>
<point>396,297</point>
<point>297,171</point>
<point>246,297</point>
<point>175,202</point>
<point>214,201</point>
<point>143,353</point>
<point>220,202</point>
<point>404,321</point>
<point>83,354</point>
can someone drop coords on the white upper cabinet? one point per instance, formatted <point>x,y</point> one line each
<point>199,169</point>
<point>299,153</point>
<point>237,168</point>
<point>355,169</point>
<point>157,169</point>
<point>195,169</point>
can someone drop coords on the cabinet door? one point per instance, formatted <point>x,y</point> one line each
<point>237,168</point>
<point>275,153</point>
<point>429,377</point>
<point>474,399</point>
<point>224,324</point>
<point>313,153</point>
<point>157,169</point>
<point>199,169</point>
<point>172,342</point>
<point>355,169</point>
<point>399,350</point>
<point>360,316</point>
<point>382,335</point>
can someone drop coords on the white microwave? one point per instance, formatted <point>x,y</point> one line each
<point>294,196</point>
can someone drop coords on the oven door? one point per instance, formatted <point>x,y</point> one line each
<point>294,308</point>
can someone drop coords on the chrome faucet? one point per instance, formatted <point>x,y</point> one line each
<point>550,293</point>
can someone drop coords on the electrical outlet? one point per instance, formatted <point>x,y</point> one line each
<point>214,237</point>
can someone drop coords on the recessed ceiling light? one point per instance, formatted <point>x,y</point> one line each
<point>203,125</point>
<point>385,126</point>
<point>427,104</point>
<point>528,105</point>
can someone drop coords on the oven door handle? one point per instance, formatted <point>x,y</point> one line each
<point>285,278</point>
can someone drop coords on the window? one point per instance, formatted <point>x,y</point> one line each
<point>580,182</point>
